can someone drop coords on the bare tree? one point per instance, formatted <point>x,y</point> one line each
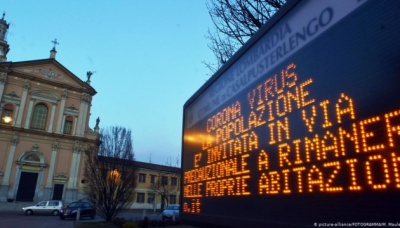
<point>166,183</point>
<point>235,21</point>
<point>110,172</point>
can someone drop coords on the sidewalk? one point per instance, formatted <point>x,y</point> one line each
<point>14,206</point>
<point>138,214</point>
<point>127,214</point>
<point>132,214</point>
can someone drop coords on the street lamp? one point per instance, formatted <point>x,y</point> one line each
<point>6,117</point>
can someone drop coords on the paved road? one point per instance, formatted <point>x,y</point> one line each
<point>13,219</point>
<point>16,219</point>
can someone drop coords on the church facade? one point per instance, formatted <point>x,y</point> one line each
<point>44,128</point>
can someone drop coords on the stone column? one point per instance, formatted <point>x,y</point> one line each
<point>72,184</point>
<point>3,81</point>
<point>80,119</point>
<point>29,114</point>
<point>73,173</point>
<point>60,120</point>
<point>52,165</point>
<point>63,123</point>
<point>15,114</point>
<point>4,187</point>
<point>83,126</point>
<point>48,190</point>
<point>82,114</point>
<point>10,162</point>
<point>53,111</point>
<point>78,166</point>
<point>75,125</point>
<point>27,86</point>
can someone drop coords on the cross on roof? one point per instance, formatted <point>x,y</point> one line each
<point>55,43</point>
<point>4,13</point>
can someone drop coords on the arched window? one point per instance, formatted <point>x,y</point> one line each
<point>39,117</point>
<point>68,125</point>
<point>31,158</point>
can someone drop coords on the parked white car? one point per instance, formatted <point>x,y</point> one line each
<point>45,207</point>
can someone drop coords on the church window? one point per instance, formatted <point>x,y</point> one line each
<point>68,125</point>
<point>39,117</point>
<point>32,158</point>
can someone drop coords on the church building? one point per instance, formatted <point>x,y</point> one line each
<point>44,128</point>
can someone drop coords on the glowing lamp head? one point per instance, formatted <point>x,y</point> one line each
<point>6,114</point>
<point>7,119</point>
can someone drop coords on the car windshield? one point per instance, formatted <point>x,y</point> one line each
<point>172,208</point>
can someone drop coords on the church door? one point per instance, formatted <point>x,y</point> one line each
<point>27,186</point>
<point>58,191</point>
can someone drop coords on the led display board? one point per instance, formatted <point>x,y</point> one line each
<point>302,126</point>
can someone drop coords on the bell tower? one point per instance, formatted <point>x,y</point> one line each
<point>4,47</point>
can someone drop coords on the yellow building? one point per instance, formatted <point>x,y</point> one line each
<point>45,112</point>
<point>157,186</point>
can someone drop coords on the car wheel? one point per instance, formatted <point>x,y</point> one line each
<point>29,212</point>
<point>55,212</point>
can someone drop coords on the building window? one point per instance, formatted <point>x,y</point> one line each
<point>172,199</point>
<point>68,125</point>
<point>150,197</point>
<point>140,198</point>
<point>142,178</point>
<point>152,179</point>
<point>164,180</point>
<point>174,181</point>
<point>39,117</point>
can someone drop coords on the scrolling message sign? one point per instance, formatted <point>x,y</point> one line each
<point>304,127</point>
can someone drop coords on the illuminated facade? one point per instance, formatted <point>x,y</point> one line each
<point>45,112</point>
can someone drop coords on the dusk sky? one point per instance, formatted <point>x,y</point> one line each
<point>147,57</point>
